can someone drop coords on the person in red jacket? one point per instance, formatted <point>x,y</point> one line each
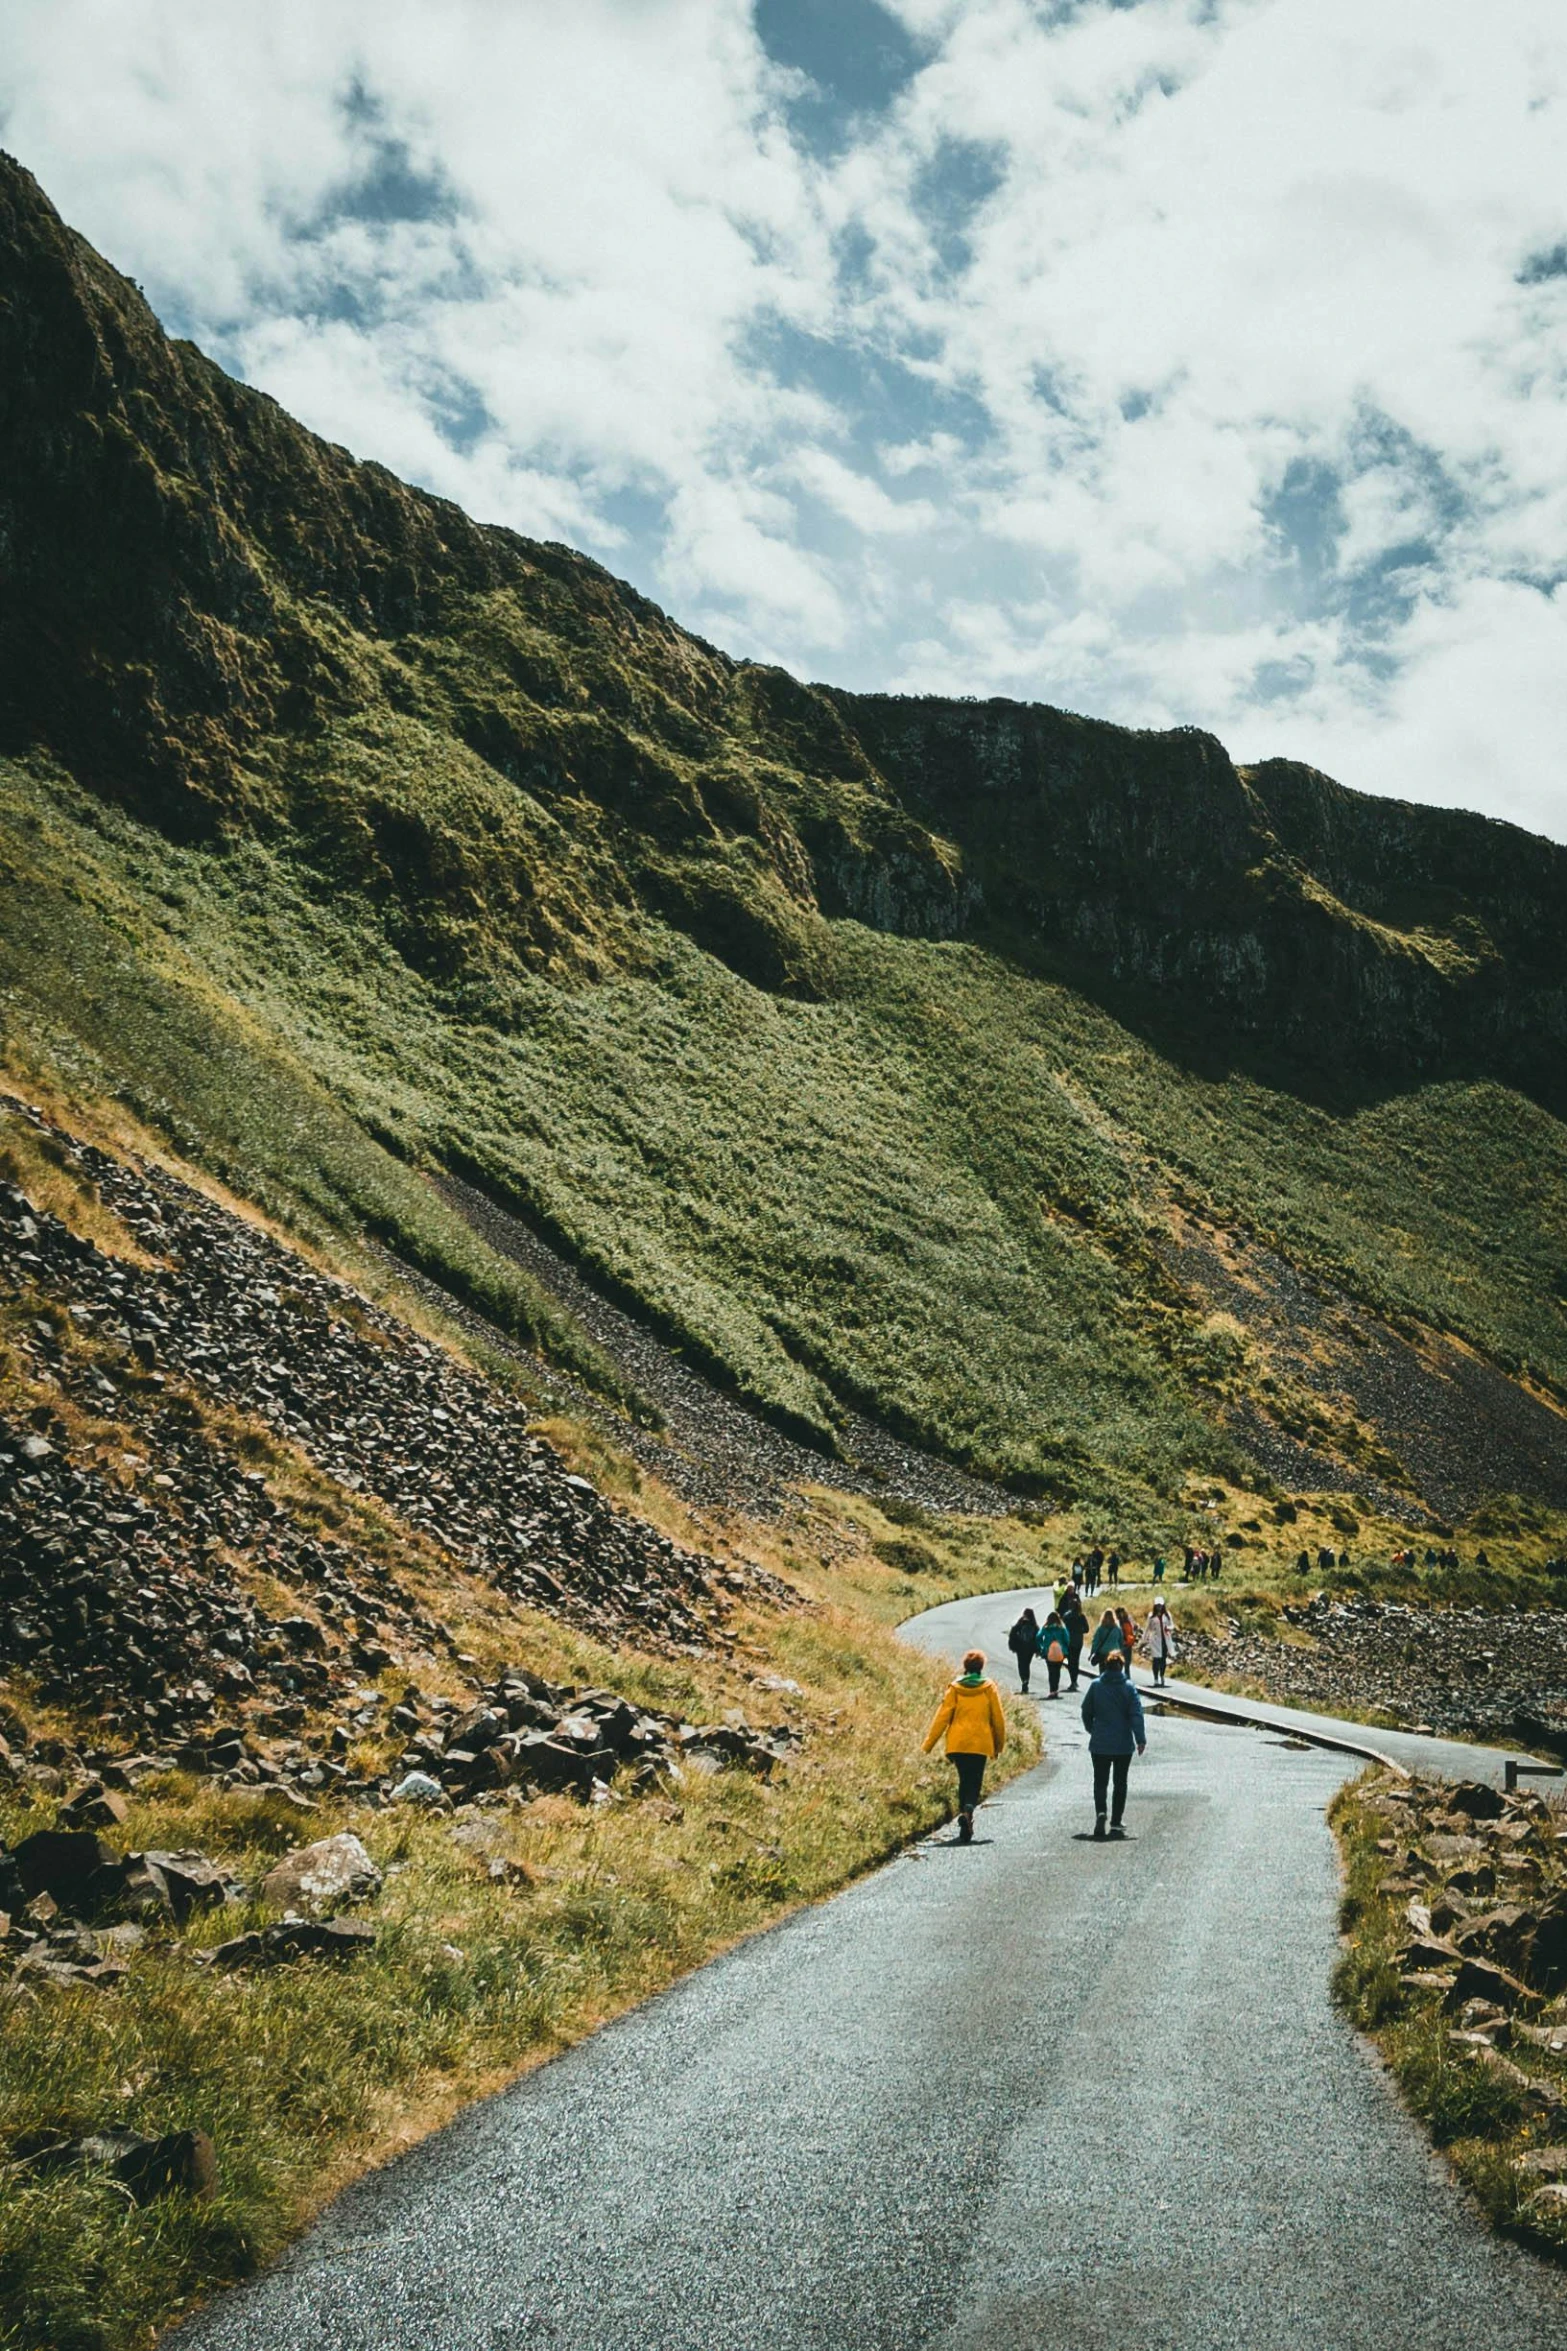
<point>976,1729</point>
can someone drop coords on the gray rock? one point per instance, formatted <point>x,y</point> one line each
<point>416,1787</point>
<point>318,1877</point>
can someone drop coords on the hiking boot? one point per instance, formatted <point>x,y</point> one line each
<point>1099,1828</point>
<point>1116,1829</point>
<point>965,1828</point>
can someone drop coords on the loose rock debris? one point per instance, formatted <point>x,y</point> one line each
<point>135,1536</point>
<point>127,1579</point>
<point>1479,1943</point>
<point>1495,1675</point>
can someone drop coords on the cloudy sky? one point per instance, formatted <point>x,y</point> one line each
<point>1173,360</point>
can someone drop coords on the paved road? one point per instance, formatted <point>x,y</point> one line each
<point>1030,2092</point>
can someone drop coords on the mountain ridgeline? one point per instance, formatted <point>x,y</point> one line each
<point>989,1068</point>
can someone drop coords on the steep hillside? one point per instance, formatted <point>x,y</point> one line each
<point>1063,1097</point>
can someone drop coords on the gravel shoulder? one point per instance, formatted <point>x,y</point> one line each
<point>991,2095</point>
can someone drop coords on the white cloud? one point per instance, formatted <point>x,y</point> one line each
<point>1176,361</point>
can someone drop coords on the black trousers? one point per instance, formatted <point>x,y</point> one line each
<point>971,1780</point>
<point>1074,1658</point>
<point>1053,1669</point>
<point>1104,1765</point>
<point>1160,1666</point>
<point>1024,1661</point>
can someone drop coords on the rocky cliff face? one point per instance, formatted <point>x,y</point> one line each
<point>222,621</point>
<point>1329,923</point>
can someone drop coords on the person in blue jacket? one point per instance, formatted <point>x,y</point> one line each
<point>1113,1719</point>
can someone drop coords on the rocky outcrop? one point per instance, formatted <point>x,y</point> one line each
<point>1458,1951</point>
<point>1267,904</point>
<point>541,1738</point>
<point>225,622</point>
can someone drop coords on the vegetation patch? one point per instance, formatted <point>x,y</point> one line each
<point>1454,1915</point>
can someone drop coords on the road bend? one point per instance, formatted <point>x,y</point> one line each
<point>1032,2091</point>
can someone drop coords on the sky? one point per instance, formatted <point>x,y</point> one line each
<point>1194,362</point>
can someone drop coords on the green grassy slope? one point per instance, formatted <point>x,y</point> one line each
<point>873,1046</point>
<point>936,1190</point>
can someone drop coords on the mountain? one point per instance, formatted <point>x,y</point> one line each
<point>1065,1097</point>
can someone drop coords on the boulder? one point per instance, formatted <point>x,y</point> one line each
<point>478,1729</point>
<point>554,1766</point>
<point>94,1807</point>
<point>180,2162</point>
<point>1428,1951</point>
<point>192,1881</point>
<point>1549,1956</point>
<point>1505,1934</point>
<point>417,1787</point>
<point>64,1863</point>
<point>1482,1979</point>
<point>1476,1798</point>
<point>1540,2097</point>
<point>318,1877</point>
<point>308,1938</point>
<point>239,1951</point>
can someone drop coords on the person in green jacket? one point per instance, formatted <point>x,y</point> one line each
<point>1107,1636</point>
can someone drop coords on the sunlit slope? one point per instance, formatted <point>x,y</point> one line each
<point>939,1190</point>
<point>884,1051</point>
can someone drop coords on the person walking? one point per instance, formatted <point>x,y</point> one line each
<point>1075,1619</point>
<point>1113,1719</point>
<point>976,1729</point>
<point>1023,1641</point>
<point>1113,1569</point>
<point>1107,1636</point>
<point>1159,1640</point>
<point>1054,1648</point>
<point>1129,1634</point>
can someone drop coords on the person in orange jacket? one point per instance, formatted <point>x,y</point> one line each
<point>976,1729</point>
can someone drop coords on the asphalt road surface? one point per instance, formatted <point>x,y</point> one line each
<point>1032,2092</point>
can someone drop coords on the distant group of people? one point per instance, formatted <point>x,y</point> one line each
<point>1061,1640</point>
<point>1092,1568</point>
<point>1095,1567</point>
<point>973,1723</point>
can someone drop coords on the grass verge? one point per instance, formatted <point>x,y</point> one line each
<point>1494,2119</point>
<point>307,2074</point>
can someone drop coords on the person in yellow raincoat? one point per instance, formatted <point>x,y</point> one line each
<point>976,1729</point>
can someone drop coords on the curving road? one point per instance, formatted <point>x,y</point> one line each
<point>1033,2091</point>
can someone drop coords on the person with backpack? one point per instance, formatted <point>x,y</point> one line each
<point>976,1729</point>
<point>1113,1719</point>
<point>1129,1634</point>
<point>1023,1641</point>
<point>1159,1640</point>
<point>1054,1648</point>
